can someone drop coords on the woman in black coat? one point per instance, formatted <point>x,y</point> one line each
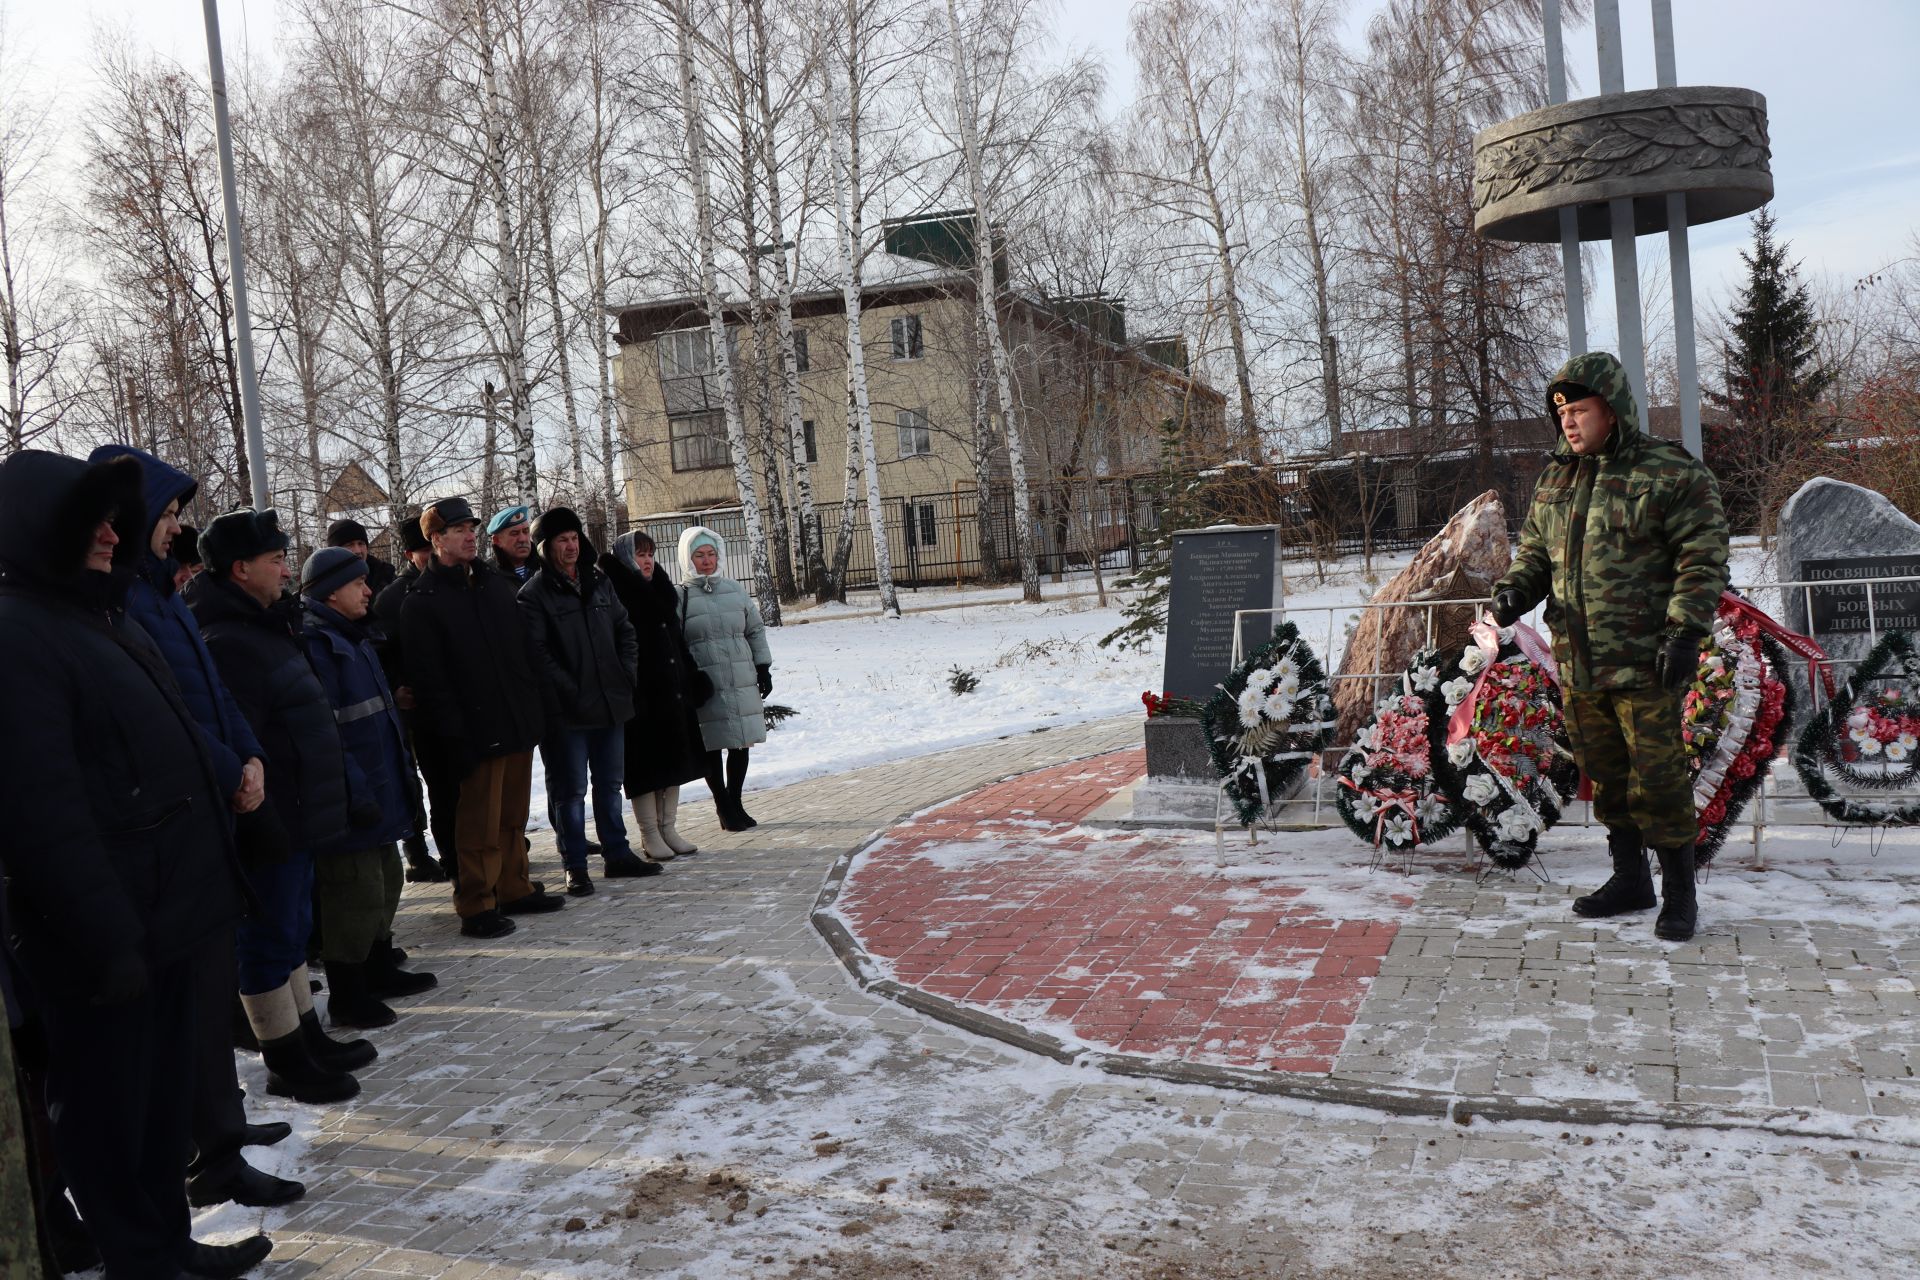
<point>663,738</point>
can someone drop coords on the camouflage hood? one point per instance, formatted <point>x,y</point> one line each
<point>1599,371</point>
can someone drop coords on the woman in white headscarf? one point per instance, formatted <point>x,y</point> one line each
<point>729,643</point>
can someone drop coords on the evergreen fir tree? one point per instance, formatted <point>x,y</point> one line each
<point>1175,499</point>
<point>1771,379</point>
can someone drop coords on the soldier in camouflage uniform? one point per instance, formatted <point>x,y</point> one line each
<point>1627,543</point>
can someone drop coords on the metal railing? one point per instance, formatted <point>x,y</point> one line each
<point>1770,807</point>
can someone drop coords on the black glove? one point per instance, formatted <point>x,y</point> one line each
<point>1678,661</point>
<point>766,679</point>
<point>1509,606</point>
<point>702,688</point>
<point>122,979</point>
<point>364,814</point>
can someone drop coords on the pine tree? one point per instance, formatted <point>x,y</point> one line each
<point>1771,379</point>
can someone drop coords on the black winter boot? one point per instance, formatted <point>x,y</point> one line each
<point>336,1055</point>
<point>386,980</point>
<point>421,866</point>
<point>1679,909</point>
<point>245,1185</point>
<point>1630,888</point>
<point>293,1073</point>
<point>352,1003</point>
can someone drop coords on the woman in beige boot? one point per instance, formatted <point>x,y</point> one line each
<point>663,738</point>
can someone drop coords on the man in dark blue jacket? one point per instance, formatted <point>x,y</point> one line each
<point>118,858</point>
<point>252,630</point>
<point>358,875</point>
<point>220,1127</point>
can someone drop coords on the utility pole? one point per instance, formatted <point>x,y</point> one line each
<point>236,265</point>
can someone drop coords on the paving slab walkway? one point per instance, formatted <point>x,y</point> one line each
<point>678,1078</point>
<point>1446,988</point>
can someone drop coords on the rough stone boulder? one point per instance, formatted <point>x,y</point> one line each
<point>1462,561</point>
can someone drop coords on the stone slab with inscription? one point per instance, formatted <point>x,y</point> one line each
<point>1832,531</point>
<point>1214,573</point>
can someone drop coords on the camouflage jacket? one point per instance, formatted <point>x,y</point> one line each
<point>1623,544</point>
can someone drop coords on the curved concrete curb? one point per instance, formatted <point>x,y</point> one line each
<point>1404,1100</point>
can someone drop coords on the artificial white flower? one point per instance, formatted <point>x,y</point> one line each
<point>1369,738</point>
<point>1361,773</point>
<point>1365,806</point>
<point>1896,752</point>
<point>1869,746</point>
<point>1250,700</point>
<point>1459,753</point>
<point>1516,825</point>
<point>1424,678</point>
<point>1908,741</point>
<point>1398,830</point>
<point>1860,733</point>
<point>1456,691</point>
<point>1286,667</point>
<point>1260,678</point>
<point>1278,706</point>
<point>1472,659</point>
<point>1480,789</point>
<point>1431,809</point>
<point>1288,682</point>
<point>1860,717</point>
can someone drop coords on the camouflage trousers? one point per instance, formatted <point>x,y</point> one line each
<point>1628,742</point>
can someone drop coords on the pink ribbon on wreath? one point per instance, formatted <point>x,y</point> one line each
<point>1486,638</point>
<point>1389,800</point>
<point>1818,664</point>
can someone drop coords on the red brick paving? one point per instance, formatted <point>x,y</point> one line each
<point>999,900</point>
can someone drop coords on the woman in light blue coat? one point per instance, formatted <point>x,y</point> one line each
<point>729,644</point>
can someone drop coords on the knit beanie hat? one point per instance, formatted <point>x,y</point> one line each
<point>341,532</point>
<point>329,569</point>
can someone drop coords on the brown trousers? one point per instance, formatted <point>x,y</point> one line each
<point>490,833</point>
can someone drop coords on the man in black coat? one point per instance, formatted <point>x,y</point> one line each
<point>586,651</point>
<point>352,535</point>
<point>476,698</point>
<point>252,629</point>
<point>443,791</point>
<point>118,857</point>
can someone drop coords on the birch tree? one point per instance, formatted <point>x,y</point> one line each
<point>843,110</point>
<point>35,324</point>
<point>722,350</point>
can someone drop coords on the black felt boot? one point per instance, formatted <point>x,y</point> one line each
<point>1679,908</point>
<point>351,1003</point>
<point>386,980</point>
<point>293,1073</point>
<point>1630,888</point>
<point>336,1055</point>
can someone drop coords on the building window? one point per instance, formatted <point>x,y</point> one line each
<point>906,338</point>
<point>685,353</point>
<point>698,441</point>
<point>802,360</point>
<point>813,450</point>
<point>916,436</point>
<point>921,529</point>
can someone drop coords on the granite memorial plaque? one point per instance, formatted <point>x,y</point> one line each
<point>1214,573</point>
<point>1858,609</point>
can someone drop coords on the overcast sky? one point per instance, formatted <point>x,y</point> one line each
<point>1839,77</point>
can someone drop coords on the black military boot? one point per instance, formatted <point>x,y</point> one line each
<point>1630,888</point>
<point>1679,908</point>
<point>337,1055</point>
<point>386,979</point>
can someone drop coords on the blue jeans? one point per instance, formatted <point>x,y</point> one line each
<point>569,755</point>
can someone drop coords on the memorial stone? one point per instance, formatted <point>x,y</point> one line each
<point>1214,573</point>
<point>1832,531</point>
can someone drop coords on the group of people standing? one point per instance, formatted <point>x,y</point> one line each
<point>213,778</point>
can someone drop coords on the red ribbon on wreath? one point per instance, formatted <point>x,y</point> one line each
<point>1389,800</point>
<point>1818,664</point>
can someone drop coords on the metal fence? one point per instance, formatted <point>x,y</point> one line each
<point>935,539</point>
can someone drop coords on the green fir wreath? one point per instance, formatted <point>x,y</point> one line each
<point>1385,790</point>
<point>1867,739</point>
<point>1271,716</point>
